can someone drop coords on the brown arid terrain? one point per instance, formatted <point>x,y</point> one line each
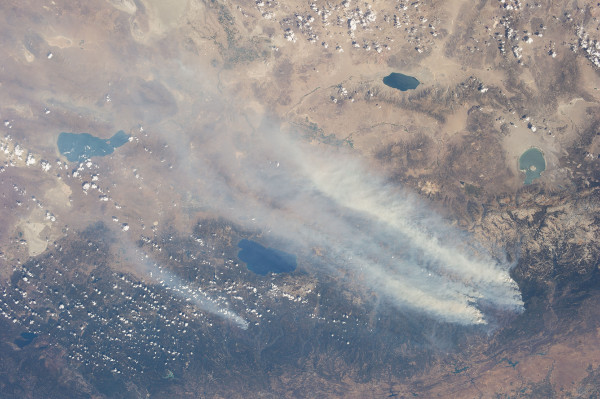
<point>195,84</point>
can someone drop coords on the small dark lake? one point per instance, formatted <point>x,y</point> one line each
<point>400,81</point>
<point>25,339</point>
<point>262,260</point>
<point>78,147</point>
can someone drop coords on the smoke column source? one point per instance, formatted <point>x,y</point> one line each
<point>317,196</point>
<point>186,290</point>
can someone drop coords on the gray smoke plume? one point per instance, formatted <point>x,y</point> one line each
<point>188,291</point>
<point>327,200</point>
<point>316,196</point>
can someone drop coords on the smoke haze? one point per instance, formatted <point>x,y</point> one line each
<point>314,197</point>
<point>185,290</point>
<point>337,213</point>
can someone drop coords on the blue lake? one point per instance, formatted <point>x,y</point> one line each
<point>533,163</point>
<point>400,81</point>
<point>78,147</point>
<point>25,339</point>
<point>262,260</point>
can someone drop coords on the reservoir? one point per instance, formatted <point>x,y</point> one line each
<point>532,162</point>
<point>400,81</point>
<point>25,339</point>
<point>262,260</point>
<point>78,147</point>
